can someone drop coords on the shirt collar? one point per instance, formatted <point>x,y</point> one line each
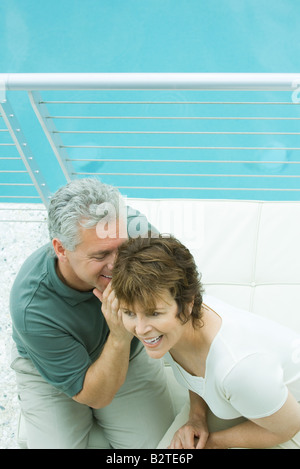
<point>70,295</point>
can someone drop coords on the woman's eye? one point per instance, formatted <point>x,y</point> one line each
<point>129,313</point>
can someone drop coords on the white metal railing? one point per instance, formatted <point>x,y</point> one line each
<point>176,135</point>
<point>150,81</point>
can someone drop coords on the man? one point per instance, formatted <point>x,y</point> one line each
<point>72,364</point>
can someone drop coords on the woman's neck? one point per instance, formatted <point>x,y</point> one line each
<point>192,349</point>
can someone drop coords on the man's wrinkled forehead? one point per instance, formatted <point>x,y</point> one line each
<point>112,219</point>
<point>113,227</point>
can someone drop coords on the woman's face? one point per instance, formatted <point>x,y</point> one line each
<point>160,330</point>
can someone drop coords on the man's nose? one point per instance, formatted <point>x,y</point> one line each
<point>111,260</point>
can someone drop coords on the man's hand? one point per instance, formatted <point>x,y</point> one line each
<point>107,374</point>
<point>113,316</point>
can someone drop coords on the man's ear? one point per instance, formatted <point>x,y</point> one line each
<point>59,249</point>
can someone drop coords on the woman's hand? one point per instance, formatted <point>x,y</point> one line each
<point>113,316</point>
<point>192,435</point>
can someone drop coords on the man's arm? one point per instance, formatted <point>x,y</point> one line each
<point>107,374</point>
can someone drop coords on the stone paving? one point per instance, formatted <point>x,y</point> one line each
<point>23,229</point>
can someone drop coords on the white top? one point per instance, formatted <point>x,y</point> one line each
<point>251,365</point>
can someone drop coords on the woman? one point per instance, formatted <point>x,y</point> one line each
<point>233,362</point>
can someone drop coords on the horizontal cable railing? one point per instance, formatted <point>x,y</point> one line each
<point>173,135</point>
<point>201,167</point>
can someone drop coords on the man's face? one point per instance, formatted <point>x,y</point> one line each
<point>90,264</point>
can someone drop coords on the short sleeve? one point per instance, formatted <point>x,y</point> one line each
<point>61,360</point>
<point>255,386</point>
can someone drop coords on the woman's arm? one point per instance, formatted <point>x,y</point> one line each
<point>193,434</point>
<point>260,433</point>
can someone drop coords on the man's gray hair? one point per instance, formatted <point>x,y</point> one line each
<point>82,202</point>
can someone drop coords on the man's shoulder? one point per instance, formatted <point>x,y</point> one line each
<point>32,271</point>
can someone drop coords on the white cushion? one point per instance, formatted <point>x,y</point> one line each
<point>248,252</point>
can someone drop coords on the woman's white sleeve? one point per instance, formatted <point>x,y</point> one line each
<point>255,386</point>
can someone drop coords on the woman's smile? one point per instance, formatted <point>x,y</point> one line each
<point>152,342</point>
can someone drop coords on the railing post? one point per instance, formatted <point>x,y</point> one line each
<point>16,133</point>
<point>51,133</point>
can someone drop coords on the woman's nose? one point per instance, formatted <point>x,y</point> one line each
<point>142,327</point>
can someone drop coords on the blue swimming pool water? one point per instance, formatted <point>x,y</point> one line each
<point>163,36</point>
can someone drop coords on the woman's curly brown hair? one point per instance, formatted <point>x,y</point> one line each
<point>146,267</point>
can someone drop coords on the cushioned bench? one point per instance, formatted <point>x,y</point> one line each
<point>248,253</point>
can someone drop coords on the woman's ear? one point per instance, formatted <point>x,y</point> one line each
<point>192,305</point>
<point>189,307</point>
